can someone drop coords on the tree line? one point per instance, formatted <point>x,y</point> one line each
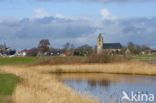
<point>44,48</point>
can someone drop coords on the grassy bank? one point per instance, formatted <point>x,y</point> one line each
<point>7,85</point>
<point>18,60</point>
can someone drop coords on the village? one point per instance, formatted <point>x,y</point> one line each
<point>77,51</point>
<point>44,49</point>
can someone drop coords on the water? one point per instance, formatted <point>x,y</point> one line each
<point>151,62</point>
<point>108,88</point>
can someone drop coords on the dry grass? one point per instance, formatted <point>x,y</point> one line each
<point>5,99</point>
<point>36,87</point>
<point>94,58</point>
<point>39,86</point>
<point>134,68</point>
<point>60,60</point>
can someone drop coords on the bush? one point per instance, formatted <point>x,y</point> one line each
<point>106,57</point>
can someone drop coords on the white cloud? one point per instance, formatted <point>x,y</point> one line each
<point>40,13</point>
<point>106,15</point>
<point>59,15</point>
<point>78,30</point>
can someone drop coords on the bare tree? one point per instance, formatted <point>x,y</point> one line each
<point>43,45</point>
<point>67,46</point>
<point>145,48</point>
<point>131,47</point>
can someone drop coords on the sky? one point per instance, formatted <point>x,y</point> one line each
<point>23,23</point>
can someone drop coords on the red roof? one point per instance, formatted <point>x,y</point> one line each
<point>27,51</point>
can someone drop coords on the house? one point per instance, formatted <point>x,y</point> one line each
<point>153,51</point>
<point>112,47</point>
<point>26,52</point>
<point>5,51</point>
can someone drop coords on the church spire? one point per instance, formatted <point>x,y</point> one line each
<point>99,35</point>
<point>99,43</point>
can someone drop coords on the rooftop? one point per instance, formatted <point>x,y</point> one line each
<point>112,46</point>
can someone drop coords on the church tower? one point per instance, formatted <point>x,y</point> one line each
<point>99,43</point>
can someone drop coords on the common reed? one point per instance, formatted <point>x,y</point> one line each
<point>94,58</point>
<point>38,85</point>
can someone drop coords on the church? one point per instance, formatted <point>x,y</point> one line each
<point>112,47</point>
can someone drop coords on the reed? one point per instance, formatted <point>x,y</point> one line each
<point>94,58</point>
<point>131,67</point>
<point>38,85</point>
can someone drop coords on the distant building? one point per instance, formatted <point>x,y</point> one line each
<point>26,52</point>
<point>5,51</point>
<point>153,51</point>
<point>113,47</point>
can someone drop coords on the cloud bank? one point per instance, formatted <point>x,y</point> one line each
<point>59,29</point>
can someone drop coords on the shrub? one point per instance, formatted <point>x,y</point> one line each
<point>106,57</point>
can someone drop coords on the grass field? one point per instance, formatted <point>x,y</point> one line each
<point>145,57</point>
<point>18,60</point>
<point>7,85</point>
<point>63,60</point>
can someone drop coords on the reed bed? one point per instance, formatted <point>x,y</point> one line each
<point>132,68</point>
<point>38,85</point>
<point>94,58</point>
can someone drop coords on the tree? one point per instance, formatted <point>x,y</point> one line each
<point>34,51</point>
<point>123,50</point>
<point>145,48</point>
<point>72,48</point>
<point>43,45</point>
<point>138,49</point>
<point>131,47</point>
<point>83,50</point>
<point>67,46</point>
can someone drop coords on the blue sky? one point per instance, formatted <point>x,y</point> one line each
<point>28,21</point>
<point>24,8</point>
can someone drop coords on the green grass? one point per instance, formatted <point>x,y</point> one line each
<point>7,85</point>
<point>145,57</point>
<point>18,60</point>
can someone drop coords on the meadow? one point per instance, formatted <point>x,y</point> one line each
<point>7,84</point>
<point>145,57</point>
<point>17,60</point>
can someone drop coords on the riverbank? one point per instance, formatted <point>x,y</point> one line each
<point>39,85</point>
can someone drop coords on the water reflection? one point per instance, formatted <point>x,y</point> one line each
<point>108,88</point>
<point>104,83</point>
